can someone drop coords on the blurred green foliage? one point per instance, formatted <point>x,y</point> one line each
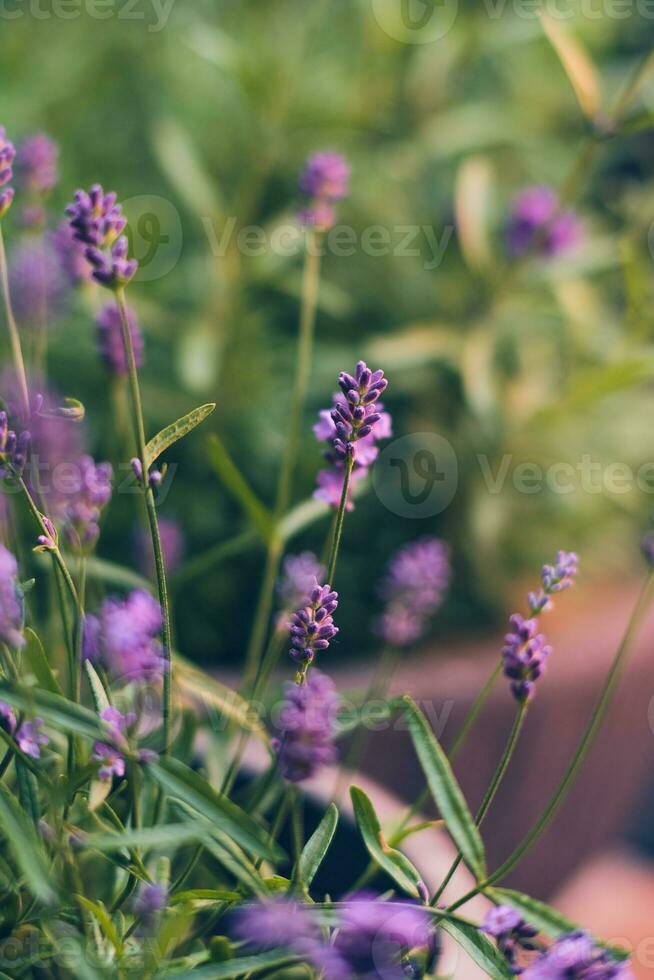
<point>215,111</point>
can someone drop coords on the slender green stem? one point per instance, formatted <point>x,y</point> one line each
<point>55,552</point>
<point>340,520</point>
<point>14,336</point>
<point>583,748</point>
<point>491,792</point>
<point>139,429</point>
<point>297,824</point>
<point>310,288</point>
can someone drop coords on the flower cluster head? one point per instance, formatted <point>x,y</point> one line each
<point>150,902</point>
<point>525,654</point>
<point>373,938</point>
<point>307,723</point>
<point>71,255</point>
<point>511,933</point>
<point>124,638</point>
<point>37,290</point>
<point>413,588</point>
<point>352,428</point>
<point>535,218</point>
<point>312,626</point>
<point>11,601</point>
<point>30,738</point>
<point>98,222</point>
<point>325,180</point>
<point>576,957</point>
<point>7,154</point>
<point>36,164</point>
<point>111,344</point>
<point>555,578</point>
<point>82,505</point>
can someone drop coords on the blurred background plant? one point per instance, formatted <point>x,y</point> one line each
<point>202,120</point>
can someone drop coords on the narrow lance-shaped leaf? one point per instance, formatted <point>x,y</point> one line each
<point>394,863</point>
<point>25,846</point>
<point>38,663</point>
<point>98,692</point>
<point>56,710</point>
<point>446,791</point>
<point>576,63</point>
<point>175,431</point>
<point>316,847</point>
<point>236,484</point>
<point>240,967</point>
<point>480,949</point>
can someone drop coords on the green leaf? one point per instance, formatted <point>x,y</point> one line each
<point>28,792</point>
<point>206,895</point>
<point>56,710</point>
<point>26,847</point>
<point>393,862</point>
<point>177,779</point>
<point>478,947</point>
<point>446,791</point>
<point>104,920</point>
<point>316,847</point>
<point>197,684</point>
<point>38,663</point>
<point>98,693</point>
<point>235,483</point>
<point>168,836</point>
<point>110,573</point>
<point>239,967</point>
<point>175,431</point>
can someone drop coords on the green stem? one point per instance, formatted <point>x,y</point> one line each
<point>14,336</point>
<point>585,744</point>
<point>309,305</point>
<point>491,792</point>
<point>139,429</point>
<point>340,520</point>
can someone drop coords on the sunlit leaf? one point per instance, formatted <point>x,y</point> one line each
<point>472,207</point>
<point>38,663</point>
<point>176,431</point>
<point>393,862</point>
<point>480,949</point>
<point>316,847</point>
<point>577,64</point>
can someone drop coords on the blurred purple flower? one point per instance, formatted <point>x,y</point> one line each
<point>511,933</point>
<point>374,936</point>
<point>525,654</point>
<point>312,626</point>
<point>98,221</point>
<point>36,164</point>
<point>127,641</point>
<point>111,761</point>
<point>325,180</point>
<point>11,601</point>
<point>30,738</point>
<point>555,578</point>
<point>71,255</point>
<point>7,718</point>
<point>148,906</point>
<point>172,545</point>
<point>268,925</point>
<point>117,724</point>
<point>330,486</point>
<point>37,290</point>
<point>87,492</point>
<point>110,339</point>
<point>307,723</point>
<point>576,957</point>
<point>535,210</point>
<point>7,154</point>
<point>413,587</point>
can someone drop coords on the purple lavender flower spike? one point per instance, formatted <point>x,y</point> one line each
<point>325,180</point>
<point>30,738</point>
<point>536,211</point>
<point>111,761</point>
<point>374,937</point>
<point>7,154</point>
<point>47,541</point>
<point>525,655</point>
<point>414,588</point>
<point>511,933</point>
<point>36,164</point>
<point>555,578</point>
<point>307,723</point>
<point>84,503</point>
<point>35,282</point>
<point>356,415</point>
<point>7,718</point>
<point>98,221</point>
<point>11,601</point>
<point>127,642</point>
<point>312,626</point>
<point>576,957</point>
<point>272,924</point>
<point>110,339</point>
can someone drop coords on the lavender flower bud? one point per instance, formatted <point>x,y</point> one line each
<point>7,154</point>
<point>510,931</point>
<point>525,654</point>
<point>98,222</point>
<point>30,738</point>
<point>535,212</point>
<point>555,578</point>
<point>312,626</point>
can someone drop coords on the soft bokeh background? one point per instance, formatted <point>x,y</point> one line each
<point>213,111</point>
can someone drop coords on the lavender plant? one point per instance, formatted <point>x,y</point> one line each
<point>126,851</point>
